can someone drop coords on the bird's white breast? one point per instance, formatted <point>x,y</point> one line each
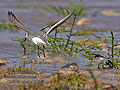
<point>101,58</point>
<point>37,41</point>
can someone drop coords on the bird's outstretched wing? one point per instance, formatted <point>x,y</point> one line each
<point>49,29</point>
<point>17,23</point>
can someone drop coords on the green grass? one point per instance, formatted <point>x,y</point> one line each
<point>6,26</point>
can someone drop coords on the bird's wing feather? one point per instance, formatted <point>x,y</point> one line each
<point>17,23</point>
<point>49,29</point>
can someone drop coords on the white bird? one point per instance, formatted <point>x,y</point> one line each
<point>38,38</point>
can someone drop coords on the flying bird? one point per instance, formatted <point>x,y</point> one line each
<point>38,38</point>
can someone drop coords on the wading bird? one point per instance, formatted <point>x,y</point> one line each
<point>38,38</point>
<point>103,60</point>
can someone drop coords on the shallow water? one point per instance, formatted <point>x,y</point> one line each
<point>36,19</point>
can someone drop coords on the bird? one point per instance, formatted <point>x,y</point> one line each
<point>103,54</point>
<point>102,59</point>
<point>38,38</point>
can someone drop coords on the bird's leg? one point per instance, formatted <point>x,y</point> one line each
<point>38,52</point>
<point>44,51</point>
<point>24,45</point>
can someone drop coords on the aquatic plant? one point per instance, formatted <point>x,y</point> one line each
<point>6,26</point>
<point>114,52</point>
<point>70,33</point>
